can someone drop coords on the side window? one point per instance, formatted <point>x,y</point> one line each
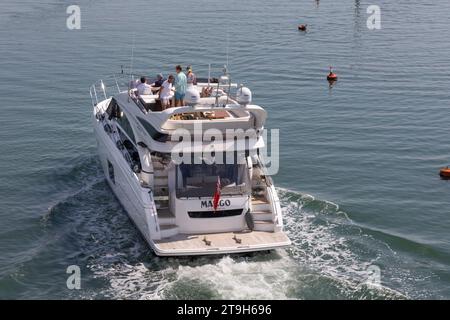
<point>156,135</point>
<point>125,124</point>
<point>113,109</point>
<point>111,172</point>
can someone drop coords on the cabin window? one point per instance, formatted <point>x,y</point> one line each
<point>199,180</point>
<point>132,155</point>
<point>113,109</point>
<point>111,172</point>
<point>126,126</point>
<point>155,134</point>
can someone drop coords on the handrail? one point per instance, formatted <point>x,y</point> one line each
<point>118,83</point>
<point>99,87</point>
<point>154,225</point>
<point>274,203</point>
<point>110,86</point>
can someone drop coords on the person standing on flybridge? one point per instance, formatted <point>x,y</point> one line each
<point>191,77</point>
<point>216,197</point>
<point>180,87</point>
<point>165,93</point>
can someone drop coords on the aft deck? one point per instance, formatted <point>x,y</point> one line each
<point>221,243</point>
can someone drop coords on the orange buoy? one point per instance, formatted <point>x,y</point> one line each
<point>332,76</point>
<point>445,172</point>
<point>302,27</point>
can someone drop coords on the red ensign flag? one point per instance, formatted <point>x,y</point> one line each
<point>216,194</point>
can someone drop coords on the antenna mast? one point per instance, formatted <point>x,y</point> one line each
<point>132,56</point>
<point>228,45</point>
<point>131,66</point>
<point>227,67</point>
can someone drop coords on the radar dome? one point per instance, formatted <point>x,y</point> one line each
<point>192,96</point>
<point>244,95</point>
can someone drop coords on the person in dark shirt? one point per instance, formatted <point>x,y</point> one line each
<point>158,83</point>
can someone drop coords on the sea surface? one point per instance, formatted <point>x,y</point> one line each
<point>359,161</point>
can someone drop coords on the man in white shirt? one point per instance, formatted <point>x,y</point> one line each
<point>143,87</point>
<point>166,92</point>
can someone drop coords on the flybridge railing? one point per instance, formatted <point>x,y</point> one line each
<point>104,88</point>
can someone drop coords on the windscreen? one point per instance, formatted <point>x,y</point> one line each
<point>200,180</point>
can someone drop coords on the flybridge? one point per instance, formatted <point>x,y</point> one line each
<point>209,87</point>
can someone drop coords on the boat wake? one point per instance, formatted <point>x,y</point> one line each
<point>329,259</point>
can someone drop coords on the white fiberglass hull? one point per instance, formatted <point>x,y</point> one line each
<point>140,207</point>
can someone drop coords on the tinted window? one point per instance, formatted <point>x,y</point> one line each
<point>125,125</point>
<point>155,134</point>
<point>200,180</point>
<point>113,109</point>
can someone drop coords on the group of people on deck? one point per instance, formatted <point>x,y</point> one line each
<point>172,88</point>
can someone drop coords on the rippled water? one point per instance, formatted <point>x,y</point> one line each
<point>359,161</point>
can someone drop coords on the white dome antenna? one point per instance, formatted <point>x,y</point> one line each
<point>192,96</point>
<point>243,95</point>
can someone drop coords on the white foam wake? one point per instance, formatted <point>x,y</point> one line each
<point>321,263</point>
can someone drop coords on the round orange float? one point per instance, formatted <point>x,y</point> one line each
<point>445,172</point>
<point>332,76</point>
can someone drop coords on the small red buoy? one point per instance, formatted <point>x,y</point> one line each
<point>302,27</point>
<point>445,172</point>
<point>332,76</point>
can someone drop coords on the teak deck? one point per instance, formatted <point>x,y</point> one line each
<point>220,241</point>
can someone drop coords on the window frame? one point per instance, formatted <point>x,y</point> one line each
<point>124,131</point>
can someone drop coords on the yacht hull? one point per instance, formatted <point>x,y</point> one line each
<point>124,188</point>
<point>139,205</point>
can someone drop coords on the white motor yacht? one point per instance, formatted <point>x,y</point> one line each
<point>191,178</point>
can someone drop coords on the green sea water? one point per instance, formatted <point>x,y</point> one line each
<point>359,162</point>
